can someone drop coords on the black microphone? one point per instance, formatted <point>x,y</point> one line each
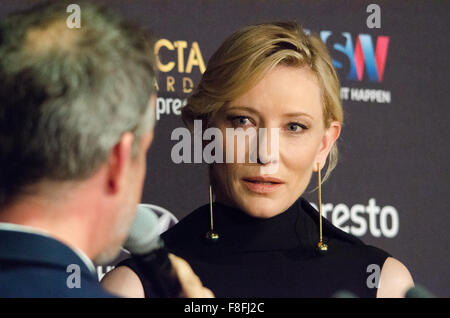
<point>152,258</point>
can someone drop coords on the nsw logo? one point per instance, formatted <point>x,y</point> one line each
<point>361,56</point>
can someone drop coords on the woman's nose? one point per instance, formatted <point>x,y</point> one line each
<point>268,146</point>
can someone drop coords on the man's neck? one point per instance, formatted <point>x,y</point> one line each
<point>59,222</point>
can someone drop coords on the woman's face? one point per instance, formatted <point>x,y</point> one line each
<point>287,98</point>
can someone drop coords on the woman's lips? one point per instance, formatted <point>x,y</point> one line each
<point>262,184</point>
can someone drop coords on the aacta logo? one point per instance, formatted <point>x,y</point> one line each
<point>361,56</point>
<point>195,57</point>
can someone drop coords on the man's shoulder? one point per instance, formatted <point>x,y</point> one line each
<point>33,265</point>
<point>19,279</point>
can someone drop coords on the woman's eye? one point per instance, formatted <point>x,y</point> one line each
<point>239,121</point>
<point>295,127</point>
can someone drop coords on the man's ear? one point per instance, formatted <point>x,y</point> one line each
<point>119,162</point>
<point>331,135</point>
<point>146,141</point>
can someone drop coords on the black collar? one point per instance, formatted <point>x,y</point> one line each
<point>240,232</point>
<point>295,230</point>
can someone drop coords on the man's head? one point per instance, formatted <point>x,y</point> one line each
<point>76,111</point>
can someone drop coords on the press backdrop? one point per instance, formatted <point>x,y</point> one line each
<point>391,186</point>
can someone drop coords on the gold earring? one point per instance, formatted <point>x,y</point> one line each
<point>211,235</point>
<point>323,248</point>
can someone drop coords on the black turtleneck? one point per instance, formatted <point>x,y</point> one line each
<point>272,257</point>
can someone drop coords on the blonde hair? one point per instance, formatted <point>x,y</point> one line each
<point>248,54</point>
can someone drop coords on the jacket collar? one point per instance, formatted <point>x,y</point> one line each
<point>28,245</point>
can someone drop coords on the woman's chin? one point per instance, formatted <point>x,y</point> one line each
<point>263,207</point>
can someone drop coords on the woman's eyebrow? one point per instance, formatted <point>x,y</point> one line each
<point>298,114</point>
<point>237,107</point>
<point>252,110</point>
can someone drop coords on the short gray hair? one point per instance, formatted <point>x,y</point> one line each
<point>63,106</point>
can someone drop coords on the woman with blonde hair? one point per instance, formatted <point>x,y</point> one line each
<point>260,237</point>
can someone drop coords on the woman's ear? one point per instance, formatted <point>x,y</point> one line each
<point>331,135</point>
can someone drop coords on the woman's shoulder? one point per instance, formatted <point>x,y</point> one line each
<point>342,241</point>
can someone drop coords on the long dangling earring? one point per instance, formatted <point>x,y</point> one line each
<point>323,248</point>
<point>211,235</point>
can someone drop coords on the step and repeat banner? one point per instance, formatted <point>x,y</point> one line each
<point>391,185</point>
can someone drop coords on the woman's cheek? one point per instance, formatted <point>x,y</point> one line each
<point>296,154</point>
